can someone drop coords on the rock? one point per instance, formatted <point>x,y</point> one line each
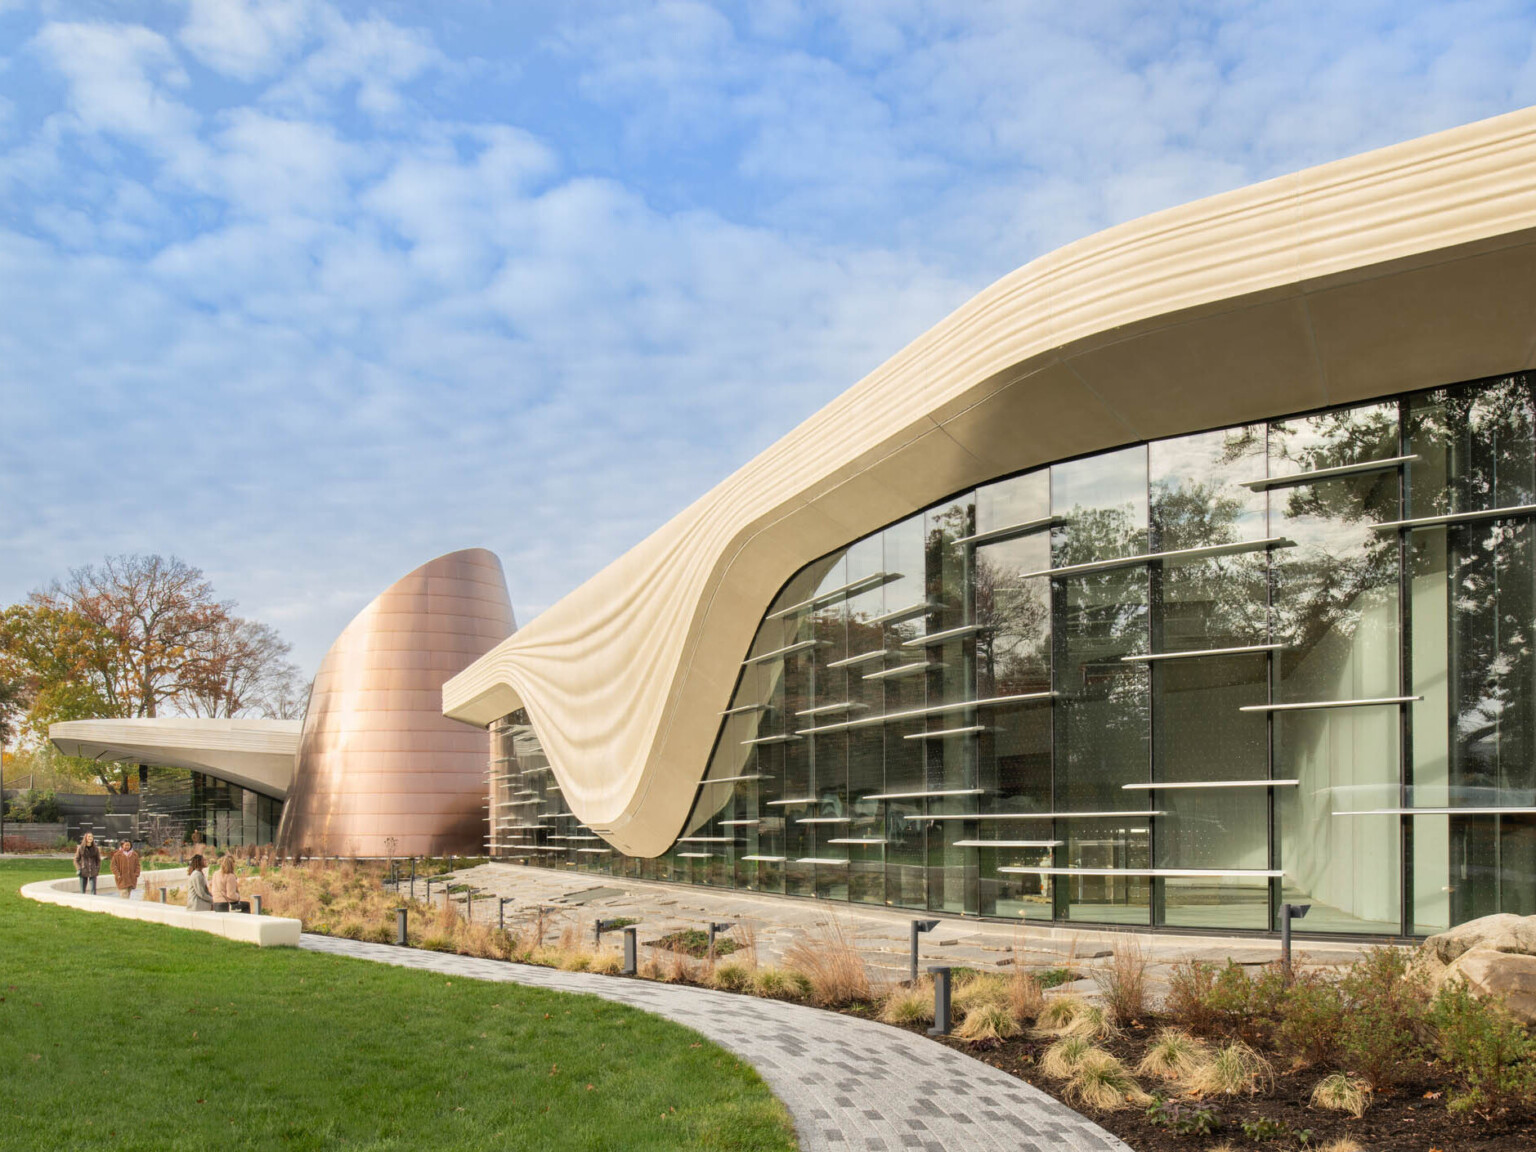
<point>1509,976</point>
<point>1503,932</point>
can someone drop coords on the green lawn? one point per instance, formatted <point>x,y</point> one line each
<point>123,1035</point>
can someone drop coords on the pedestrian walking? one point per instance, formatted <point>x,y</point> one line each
<point>126,866</point>
<point>88,862</point>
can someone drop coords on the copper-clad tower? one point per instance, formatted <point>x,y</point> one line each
<point>381,770</point>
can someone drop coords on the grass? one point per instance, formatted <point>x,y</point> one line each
<point>1235,1068</point>
<point>136,1036</point>
<point>1173,1055</point>
<point>1342,1093</point>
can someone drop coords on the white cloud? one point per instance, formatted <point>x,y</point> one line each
<point>116,75</point>
<point>246,39</point>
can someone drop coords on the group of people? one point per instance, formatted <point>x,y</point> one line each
<point>219,894</point>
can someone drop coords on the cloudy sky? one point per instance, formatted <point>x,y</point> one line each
<point>307,293</point>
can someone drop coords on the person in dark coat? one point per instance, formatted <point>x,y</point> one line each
<point>88,862</point>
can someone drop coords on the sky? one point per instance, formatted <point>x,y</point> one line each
<point>307,293</point>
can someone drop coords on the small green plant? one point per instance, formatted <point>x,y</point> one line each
<point>1055,977</point>
<point>733,976</point>
<point>694,942</point>
<point>780,984</point>
<point>1386,1013</point>
<point>1265,1128</point>
<point>1182,1117</point>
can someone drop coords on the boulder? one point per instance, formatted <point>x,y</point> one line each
<point>1503,932</point>
<point>1509,976</point>
<point>1494,955</point>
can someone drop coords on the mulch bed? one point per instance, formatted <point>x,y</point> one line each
<point>1413,1118</point>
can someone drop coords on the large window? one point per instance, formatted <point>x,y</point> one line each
<point>1174,685</point>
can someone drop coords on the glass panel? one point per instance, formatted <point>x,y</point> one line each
<point>1196,498</point>
<point>1104,501</point>
<point>1105,899</point>
<point>1017,500</point>
<point>1014,656</point>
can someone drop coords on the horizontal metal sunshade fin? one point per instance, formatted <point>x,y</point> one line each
<point>1457,518</point>
<point>1022,528</point>
<point>1166,785</point>
<point>1439,812</point>
<point>1177,554</point>
<point>787,650</point>
<point>948,634</point>
<point>1239,873</point>
<point>943,732</point>
<point>924,795</point>
<point>1316,474</point>
<point>831,596</point>
<point>1009,843</point>
<point>1198,652</point>
<point>896,615</point>
<point>902,670</point>
<point>861,658</point>
<point>733,779</point>
<point>1032,816</point>
<point>931,710</point>
<point>1317,705</point>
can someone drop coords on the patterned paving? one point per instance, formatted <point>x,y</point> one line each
<point>848,1083</point>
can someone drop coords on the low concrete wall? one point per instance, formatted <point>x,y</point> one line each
<point>266,931</point>
<point>20,835</point>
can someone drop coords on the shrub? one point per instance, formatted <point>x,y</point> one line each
<point>1385,1015</point>
<point>988,1022</point>
<point>1342,1093</point>
<point>1212,1001</point>
<point>1173,1055</point>
<point>1100,1081</point>
<point>1062,1057</point>
<point>1123,982</point>
<point>1235,1068</point>
<point>732,976</point>
<point>1188,1001</point>
<point>1487,1049</point>
<point>912,1005</point>
<point>1311,1020</point>
<point>831,966</point>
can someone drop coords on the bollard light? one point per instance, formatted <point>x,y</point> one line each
<point>940,1000</point>
<point>256,904</point>
<point>631,953</point>
<point>501,911</point>
<point>400,936</point>
<point>163,894</point>
<point>919,926</point>
<point>1289,912</point>
<point>600,927</point>
<point>714,928</point>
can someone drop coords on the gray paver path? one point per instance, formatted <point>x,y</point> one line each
<point>848,1083</point>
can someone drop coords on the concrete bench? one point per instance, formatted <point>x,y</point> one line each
<point>263,930</point>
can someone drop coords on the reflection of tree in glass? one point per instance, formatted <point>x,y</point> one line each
<point>945,561</point>
<point>1220,599</point>
<point>1014,656</point>
<point>1484,436</point>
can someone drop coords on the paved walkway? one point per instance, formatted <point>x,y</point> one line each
<point>848,1083</point>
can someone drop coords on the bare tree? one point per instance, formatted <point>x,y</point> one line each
<point>244,670</point>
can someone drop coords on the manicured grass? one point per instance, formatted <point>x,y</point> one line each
<point>124,1035</point>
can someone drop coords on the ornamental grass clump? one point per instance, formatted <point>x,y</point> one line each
<point>1093,1022</point>
<point>1234,1069</point>
<point>987,1023</point>
<point>780,984</point>
<point>909,1005</point>
<point>979,989</point>
<point>607,964</point>
<point>1100,1081</point>
<point>575,960</point>
<point>1059,1012</point>
<point>1340,1092</point>
<point>1173,1055</point>
<point>732,976</point>
<point>1026,998</point>
<point>1063,1056</point>
<point>833,970</point>
<point>1122,982</point>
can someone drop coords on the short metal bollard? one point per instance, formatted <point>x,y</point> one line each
<point>501,911</point>
<point>631,953</point>
<point>940,1001</point>
<point>919,926</point>
<point>713,929</point>
<point>400,937</point>
<point>256,904</point>
<point>164,895</point>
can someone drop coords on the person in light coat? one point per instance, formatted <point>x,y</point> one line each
<point>125,869</point>
<point>88,862</point>
<point>226,888</point>
<point>199,898</point>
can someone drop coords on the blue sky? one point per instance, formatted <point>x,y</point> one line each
<point>308,293</point>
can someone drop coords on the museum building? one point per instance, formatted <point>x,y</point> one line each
<point>1188,571</point>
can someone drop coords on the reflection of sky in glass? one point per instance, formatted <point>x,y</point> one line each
<point>1196,492</point>
<point>1331,439</point>
<point>1017,500</point>
<point>1104,499</point>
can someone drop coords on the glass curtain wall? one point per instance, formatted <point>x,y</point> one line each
<point>1174,684</point>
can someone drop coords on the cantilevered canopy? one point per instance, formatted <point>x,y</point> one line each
<point>1404,268</point>
<point>254,754</point>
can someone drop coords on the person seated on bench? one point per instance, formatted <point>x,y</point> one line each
<point>226,888</point>
<point>199,899</point>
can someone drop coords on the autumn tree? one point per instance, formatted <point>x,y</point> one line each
<point>243,670</point>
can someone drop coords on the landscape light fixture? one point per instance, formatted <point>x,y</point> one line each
<point>725,926</point>
<point>1289,912</point>
<point>919,926</point>
<point>501,911</point>
<point>400,937</point>
<point>602,926</point>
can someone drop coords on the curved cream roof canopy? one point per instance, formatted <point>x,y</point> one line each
<point>1407,267</point>
<point>253,753</point>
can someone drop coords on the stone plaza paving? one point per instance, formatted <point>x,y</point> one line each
<point>848,1083</point>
